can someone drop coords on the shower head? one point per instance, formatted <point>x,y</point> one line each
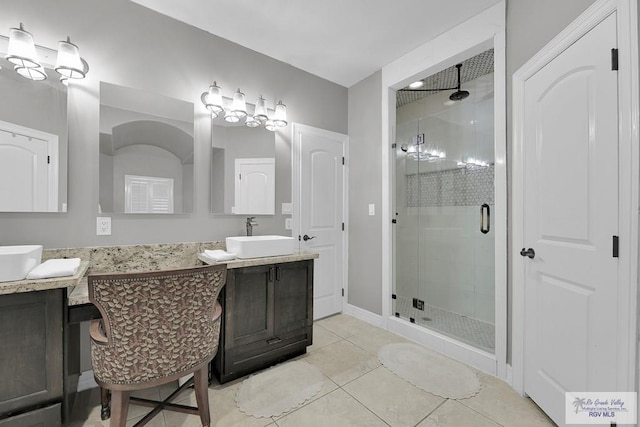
<point>459,95</point>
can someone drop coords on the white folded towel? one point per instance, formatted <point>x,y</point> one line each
<point>219,255</point>
<point>55,268</point>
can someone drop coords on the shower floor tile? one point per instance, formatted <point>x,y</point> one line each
<point>466,329</point>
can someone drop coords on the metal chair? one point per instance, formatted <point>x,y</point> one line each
<point>156,327</point>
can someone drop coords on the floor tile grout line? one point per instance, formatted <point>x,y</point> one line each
<point>431,413</point>
<point>366,407</point>
<point>478,412</point>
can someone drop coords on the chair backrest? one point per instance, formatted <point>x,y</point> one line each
<point>157,324</point>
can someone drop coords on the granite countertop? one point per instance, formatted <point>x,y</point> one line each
<point>80,294</point>
<point>249,262</point>
<point>20,286</point>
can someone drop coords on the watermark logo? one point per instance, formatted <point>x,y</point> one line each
<point>601,408</point>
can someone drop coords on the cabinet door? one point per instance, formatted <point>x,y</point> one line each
<point>249,302</point>
<point>30,349</point>
<point>293,305</point>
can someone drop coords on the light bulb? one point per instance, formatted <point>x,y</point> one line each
<point>260,113</point>
<point>212,100</point>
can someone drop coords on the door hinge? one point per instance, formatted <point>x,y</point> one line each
<point>394,221</point>
<point>394,145</point>
<point>614,59</point>
<point>615,246</point>
<point>342,291</point>
<point>343,161</point>
<point>240,177</point>
<point>48,159</point>
<point>393,296</point>
<point>343,226</point>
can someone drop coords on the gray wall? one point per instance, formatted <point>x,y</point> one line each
<point>129,45</point>
<point>365,179</point>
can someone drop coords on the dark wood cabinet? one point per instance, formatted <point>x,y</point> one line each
<point>268,317</point>
<point>31,355</point>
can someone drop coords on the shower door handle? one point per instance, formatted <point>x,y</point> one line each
<point>485,229</point>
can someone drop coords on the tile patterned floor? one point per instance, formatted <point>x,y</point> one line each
<point>466,329</point>
<point>358,391</point>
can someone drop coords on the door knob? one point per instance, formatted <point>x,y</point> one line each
<point>305,237</point>
<point>528,252</point>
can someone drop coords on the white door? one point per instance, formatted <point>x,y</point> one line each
<point>24,173</point>
<point>570,217</point>
<point>319,191</point>
<point>255,186</point>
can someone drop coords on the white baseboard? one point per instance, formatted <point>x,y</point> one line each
<point>509,378</point>
<point>362,314</point>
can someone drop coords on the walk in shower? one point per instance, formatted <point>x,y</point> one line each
<point>444,244</point>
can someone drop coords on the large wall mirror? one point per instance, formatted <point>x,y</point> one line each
<point>243,162</point>
<point>146,152</point>
<point>33,142</point>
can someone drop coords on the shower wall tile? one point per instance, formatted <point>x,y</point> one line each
<point>456,187</point>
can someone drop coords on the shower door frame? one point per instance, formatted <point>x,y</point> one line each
<point>484,31</point>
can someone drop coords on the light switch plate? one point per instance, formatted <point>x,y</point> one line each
<point>103,226</point>
<point>372,209</point>
<point>287,208</point>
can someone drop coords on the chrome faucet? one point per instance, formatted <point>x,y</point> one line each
<point>251,222</point>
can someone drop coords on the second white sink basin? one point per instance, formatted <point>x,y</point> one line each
<point>17,261</point>
<point>260,246</point>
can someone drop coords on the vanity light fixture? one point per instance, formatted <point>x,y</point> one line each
<point>22,49</point>
<point>22,53</point>
<point>212,100</point>
<point>237,110</point>
<point>69,64</point>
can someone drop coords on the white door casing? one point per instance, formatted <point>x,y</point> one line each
<point>28,169</point>
<point>574,304</point>
<point>319,211</point>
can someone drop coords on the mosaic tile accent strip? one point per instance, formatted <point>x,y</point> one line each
<point>455,187</point>
<point>466,329</point>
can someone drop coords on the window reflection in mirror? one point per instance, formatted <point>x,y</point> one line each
<point>33,143</point>
<point>146,152</point>
<point>242,169</point>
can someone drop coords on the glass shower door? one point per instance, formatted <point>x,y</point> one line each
<point>444,237</point>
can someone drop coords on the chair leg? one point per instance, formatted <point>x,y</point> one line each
<point>201,382</point>
<point>119,408</point>
<point>105,400</point>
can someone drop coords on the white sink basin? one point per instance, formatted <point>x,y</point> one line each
<point>260,246</point>
<point>17,261</point>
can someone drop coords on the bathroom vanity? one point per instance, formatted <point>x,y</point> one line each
<point>267,313</point>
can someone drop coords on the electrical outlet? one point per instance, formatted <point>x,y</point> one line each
<point>103,226</point>
<point>287,224</point>
<point>287,208</point>
<point>372,209</point>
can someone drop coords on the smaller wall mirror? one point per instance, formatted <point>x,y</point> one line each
<point>33,142</point>
<point>242,169</point>
<point>146,152</point>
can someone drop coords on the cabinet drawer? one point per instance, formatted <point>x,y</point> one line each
<point>242,361</point>
<point>43,417</point>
